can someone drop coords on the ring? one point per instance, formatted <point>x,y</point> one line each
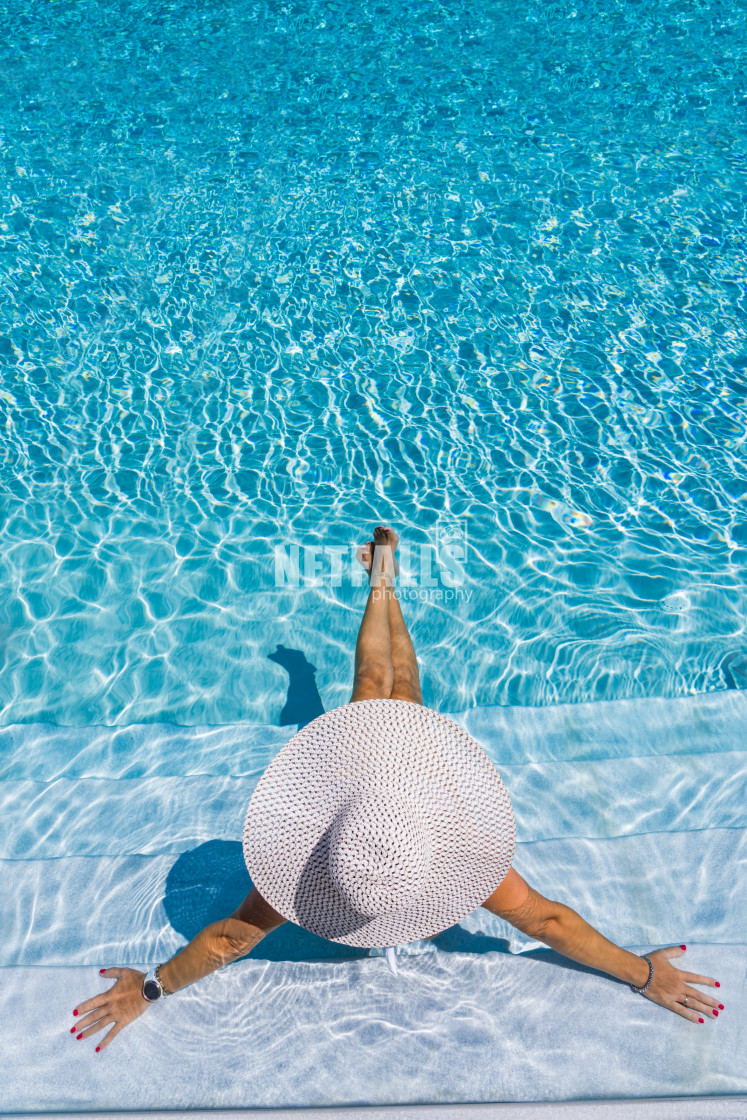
<point>685,1001</point>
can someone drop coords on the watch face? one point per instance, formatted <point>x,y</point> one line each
<point>151,990</point>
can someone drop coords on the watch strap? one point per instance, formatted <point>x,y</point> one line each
<point>164,990</point>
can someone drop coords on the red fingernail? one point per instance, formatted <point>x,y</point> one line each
<point>98,1047</point>
<point>72,1030</point>
<point>76,1011</point>
<point>701,1020</point>
<point>79,1036</point>
<point>683,946</point>
<point>716,984</point>
<point>721,1007</point>
<point>715,1013</point>
<point>102,970</point>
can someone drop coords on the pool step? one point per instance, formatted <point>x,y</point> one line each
<point>154,815</point>
<point>707,723</point>
<point>453,1027</point>
<point>44,752</point>
<point>654,888</point>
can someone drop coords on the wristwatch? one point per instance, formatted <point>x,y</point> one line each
<point>153,986</point>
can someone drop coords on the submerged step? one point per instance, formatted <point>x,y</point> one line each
<point>44,752</point>
<point>451,1027</point>
<point>148,816</point>
<point>703,724</point>
<point>656,888</point>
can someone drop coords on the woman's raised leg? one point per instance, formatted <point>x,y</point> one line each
<point>374,672</point>
<point>378,556</point>
<point>404,662</point>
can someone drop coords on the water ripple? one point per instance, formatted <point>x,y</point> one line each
<point>247,304</point>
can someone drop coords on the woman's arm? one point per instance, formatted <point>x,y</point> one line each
<point>222,942</point>
<point>213,947</point>
<point>566,931</point>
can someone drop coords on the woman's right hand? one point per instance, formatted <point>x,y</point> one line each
<point>115,1008</point>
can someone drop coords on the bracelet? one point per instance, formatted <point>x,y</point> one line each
<point>166,991</point>
<point>648,982</point>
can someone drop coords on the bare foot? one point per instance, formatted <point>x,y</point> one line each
<point>378,557</point>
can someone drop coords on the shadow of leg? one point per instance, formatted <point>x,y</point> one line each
<point>303,702</point>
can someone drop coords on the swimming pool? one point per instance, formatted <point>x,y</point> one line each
<point>274,274</point>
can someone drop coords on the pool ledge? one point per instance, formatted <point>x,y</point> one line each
<point>653,1108</point>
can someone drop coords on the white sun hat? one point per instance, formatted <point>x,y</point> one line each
<point>378,823</point>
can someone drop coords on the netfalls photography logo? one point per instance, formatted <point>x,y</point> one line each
<point>432,570</point>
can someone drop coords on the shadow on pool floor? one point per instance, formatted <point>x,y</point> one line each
<point>208,883</point>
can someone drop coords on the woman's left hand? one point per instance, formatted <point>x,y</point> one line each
<point>670,987</point>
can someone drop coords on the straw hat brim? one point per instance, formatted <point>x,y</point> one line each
<point>395,749</point>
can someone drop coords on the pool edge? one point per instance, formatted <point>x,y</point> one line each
<point>653,1108</point>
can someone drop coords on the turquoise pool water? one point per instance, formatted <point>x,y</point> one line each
<point>275,273</point>
<point>272,274</point>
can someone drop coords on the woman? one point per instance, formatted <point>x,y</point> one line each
<point>372,867</point>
